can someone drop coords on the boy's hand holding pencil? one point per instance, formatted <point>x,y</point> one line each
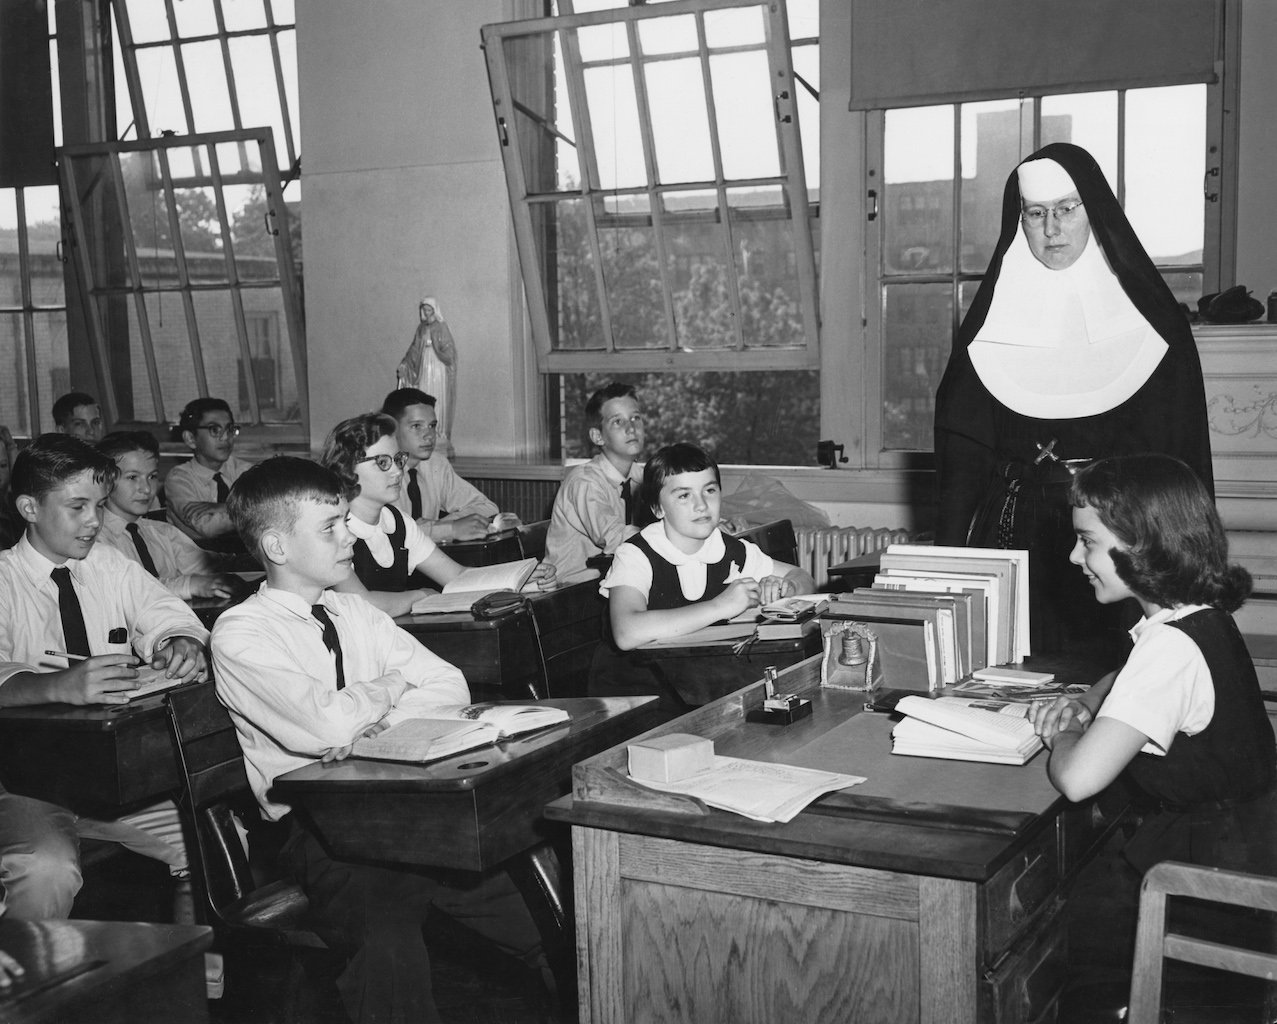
<point>102,679</point>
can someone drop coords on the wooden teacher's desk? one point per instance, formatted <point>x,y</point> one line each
<point>930,893</point>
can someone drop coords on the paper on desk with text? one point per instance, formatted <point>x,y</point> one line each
<point>757,789</point>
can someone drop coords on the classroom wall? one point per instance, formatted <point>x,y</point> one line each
<point>405,197</point>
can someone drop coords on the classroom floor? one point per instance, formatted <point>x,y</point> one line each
<point>473,983</point>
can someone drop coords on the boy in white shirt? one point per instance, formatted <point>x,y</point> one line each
<point>163,550</point>
<point>60,591</point>
<point>594,508</point>
<point>306,671</point>
<point>445,506</point>
<point>195,492</point>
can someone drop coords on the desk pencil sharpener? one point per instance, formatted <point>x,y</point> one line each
<point>778,708</point>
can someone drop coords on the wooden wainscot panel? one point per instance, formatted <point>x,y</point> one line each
<point>783,879</point>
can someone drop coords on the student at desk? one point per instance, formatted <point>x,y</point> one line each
<point>61,591</point>
<point>389,546</point>
<point>595,505</point>
<point>679,573</point>
<point>305,672</point>
<point>445,506</point>
<point>161,549</point>
<point>195,491</point>
<point>1183,720</point>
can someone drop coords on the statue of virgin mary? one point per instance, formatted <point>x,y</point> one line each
<point>431,365</point>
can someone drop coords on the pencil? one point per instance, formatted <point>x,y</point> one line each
<point>68,655</point>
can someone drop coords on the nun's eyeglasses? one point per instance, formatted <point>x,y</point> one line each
<point>1035,216</point>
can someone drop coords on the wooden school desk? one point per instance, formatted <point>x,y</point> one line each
<point>106,972</point>
<point>96,760</point>
<point>932,893</point>
<point>490,550</point>
<point>499,657</point>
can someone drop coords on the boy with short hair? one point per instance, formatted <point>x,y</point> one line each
<point>163,550</point>
<point>61,591</point>
<point>78,414</point>
<point>594,508</point>
<point>304,672</point>
<point>195,492</point>
<point>445,506</point>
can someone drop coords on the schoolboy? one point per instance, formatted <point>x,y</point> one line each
<point>195,492</point>
<point>61,591</point>
<point>595,506</point>
<point>305,672</point>
<point>445,506</point>
<point>161,549</point>
<point>78,414</point>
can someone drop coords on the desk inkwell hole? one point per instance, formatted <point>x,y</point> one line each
<point>471,766</point>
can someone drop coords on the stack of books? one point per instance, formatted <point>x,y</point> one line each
<point>938,614</point>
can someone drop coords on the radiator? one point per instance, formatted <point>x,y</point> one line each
<point>530,500</point>
<point>821,547</point>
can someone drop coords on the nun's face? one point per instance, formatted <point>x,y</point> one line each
<point>1057,231</point>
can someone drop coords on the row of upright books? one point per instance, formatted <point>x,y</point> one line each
<point>938,614</point>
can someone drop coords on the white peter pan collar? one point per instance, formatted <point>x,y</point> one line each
<point>376,536</point>
<point>710,552</point>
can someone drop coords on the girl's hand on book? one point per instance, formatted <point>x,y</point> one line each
<point>544,577</point>
<point>773,588</point>
<point>1060,715</point>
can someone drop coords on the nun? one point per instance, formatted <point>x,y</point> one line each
<point>1073,349</point>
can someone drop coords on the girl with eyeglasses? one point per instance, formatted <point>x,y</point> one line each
<point>389,546</point>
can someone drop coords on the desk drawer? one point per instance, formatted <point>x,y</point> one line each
<point>1021,888</point>
<point>1025,986</point>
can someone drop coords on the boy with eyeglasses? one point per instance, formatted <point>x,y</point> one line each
<point>445,506</point>
<point>196,491</point>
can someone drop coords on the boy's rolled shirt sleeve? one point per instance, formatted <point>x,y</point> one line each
<point>431,680</point>
<point>189,507</point>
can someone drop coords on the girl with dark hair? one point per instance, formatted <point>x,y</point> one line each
<point>1183,721</point>
<point>680,572</point>
<point>389,546</point>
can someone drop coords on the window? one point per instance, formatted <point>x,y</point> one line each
<point>938,178</point>
<point>34,365</point>
<point>665,207</point>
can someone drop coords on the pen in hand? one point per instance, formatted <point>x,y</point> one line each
<point>68,655</point>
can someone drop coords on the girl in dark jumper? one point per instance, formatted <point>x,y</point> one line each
<point>680,573</point>
<point>1183,721</point>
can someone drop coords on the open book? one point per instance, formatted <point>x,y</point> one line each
<point>452,728</point>
<point>473,583</point>
<point>962,730</point>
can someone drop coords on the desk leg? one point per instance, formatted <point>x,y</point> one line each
<point>539,878</point>
<point>596,863</point>
<point>948,947</point>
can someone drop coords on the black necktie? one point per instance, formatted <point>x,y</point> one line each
<point>143,552</point>
<point>414,493</point>
<point>627,496</point>
<point>223,492</point>
<point>330,640</point>
<point>74,635</point>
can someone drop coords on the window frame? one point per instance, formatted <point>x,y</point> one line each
<point>537,276</point>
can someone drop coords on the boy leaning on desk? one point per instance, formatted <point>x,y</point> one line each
<point>305,671</point>
<point>72,613</point>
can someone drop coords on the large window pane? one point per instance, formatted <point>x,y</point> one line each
<point>993,142</point>
<point>579,319</point>
<point>1165,168</point>
<point>743,107</point>
<point>918,186</point>
<point>917,331</point>
<point>742,418</point>
<point>631,273</point>
<point>1088,120</point>
<point>614,120</point>
<point>680,123</point>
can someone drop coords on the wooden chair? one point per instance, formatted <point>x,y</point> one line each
<point>569,626</point>
<point>776,539</point>
<point>532,539</point>
<point>213,784</point>
<point>1153,943</point>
